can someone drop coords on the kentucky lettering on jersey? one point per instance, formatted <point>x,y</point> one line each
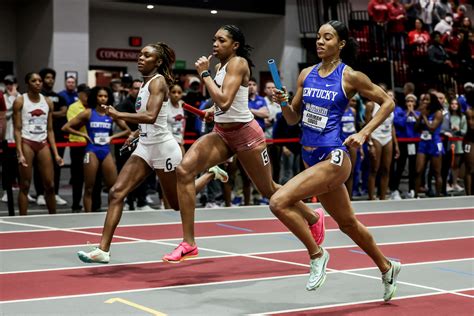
<point>100,125</point>
<point>320,93</point>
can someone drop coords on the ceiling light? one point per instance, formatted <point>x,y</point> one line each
<point>213,11</point>
<point>150,6</point>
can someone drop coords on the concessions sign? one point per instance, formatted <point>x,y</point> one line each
<point>117,54</point>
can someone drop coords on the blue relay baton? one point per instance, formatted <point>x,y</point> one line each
<point>276,77</point>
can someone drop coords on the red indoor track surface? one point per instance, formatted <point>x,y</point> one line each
<point>154,275</point>
<point>438,305</point>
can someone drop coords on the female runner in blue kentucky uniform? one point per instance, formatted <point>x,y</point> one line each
<point>99,135</point>
<point>322,94</point>
<point>431,145</point>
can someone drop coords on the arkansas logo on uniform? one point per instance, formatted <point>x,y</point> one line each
<point>138,103</point>
<point>37,112</point>
<point>178,117</point>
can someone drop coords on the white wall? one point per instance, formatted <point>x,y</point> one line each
<point>34,35</point>
<point>7,32</point>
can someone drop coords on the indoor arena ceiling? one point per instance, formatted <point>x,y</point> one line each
<point>226,8</point>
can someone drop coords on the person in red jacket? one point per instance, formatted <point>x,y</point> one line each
<point>378,14</point>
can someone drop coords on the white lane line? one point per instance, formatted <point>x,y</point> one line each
<point>4,219</point>
<point>218,236</point>
<point>352,303</point>
<point>174,287</point>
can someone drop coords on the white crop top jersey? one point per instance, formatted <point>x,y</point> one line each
<point>157,132</point>
<point>239,110</point>
<point>34,119</point>
<point>176,121</point>
<point>384,129</point>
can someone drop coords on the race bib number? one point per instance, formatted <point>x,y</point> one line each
<point>265,157</point>
<point>425,135</point>
<point>86,158</point>
<point>440,147</point>
<point>337,156</point>
<point>315,121</point>
<point>38,126</point>
<point>141,131</point>
<point>101,138</point>
<point>411,149</point>
<point>467,148</point>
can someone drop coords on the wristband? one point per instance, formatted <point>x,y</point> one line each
<point>205,73</point>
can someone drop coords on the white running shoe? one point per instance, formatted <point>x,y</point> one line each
<point>145,208</point>
<point>149,200</point>
<point>219,174</point>
<point>5,197</point>
<point>31,199</point>
<point>389,280</point>
<point>317,271</point>
<point>40,200</point>
<point>411,194</point>
<point>211,205</point>
<point>395,195</point>
<point>60,200</point>
<point>94,256</point>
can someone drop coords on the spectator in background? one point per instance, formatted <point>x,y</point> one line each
<point>442,9</point>
<point>176,120</point>
<point>378,15</point>
<point>462,99</point>
<point>396,25</point>
<point>32,116</point>
<point>439,62</point>
<point>445,25</point>
<point>348,128</point>
<point>9,96</point>
<point>3,118</point>
<point>48,76</point>
<point>446,133</point>
<point>430,146</point>
<point>411,11</point>
<point>257,104</point>
<point>426,12</point>
<point>382,143</point>
<point>77,152</point>
<point>193,97</point>
<point>117,90</point>
<point>469,145</point>
<point>459,15</point>
<point>405,118</point>
<point>458,129</point>
<point>98,136</point>
<point>11,93</point>
<point>274,150</point>
<point>70,93</point>
<point>465,51</point>
<point>419,37</point>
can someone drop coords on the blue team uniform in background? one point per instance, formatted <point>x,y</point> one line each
<point>99,129</point>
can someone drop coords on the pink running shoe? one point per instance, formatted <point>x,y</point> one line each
<point>180,253</point>
<point>317,229</point>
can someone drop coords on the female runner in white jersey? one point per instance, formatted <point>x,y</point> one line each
<point>157,149</point>
<point>33,119</point>
<point>235,133</point>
